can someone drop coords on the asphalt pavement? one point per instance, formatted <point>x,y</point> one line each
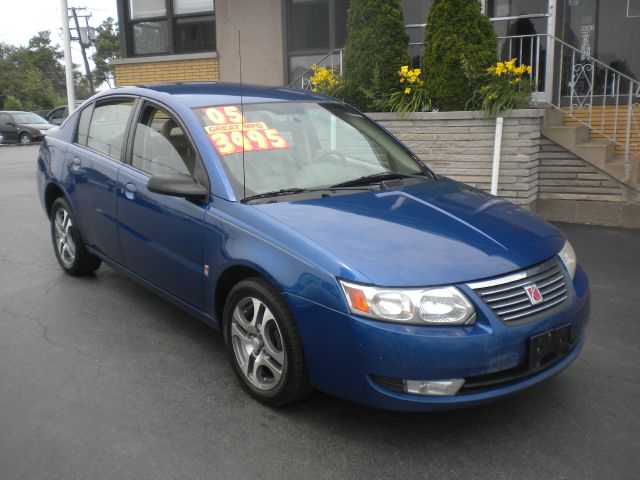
<point>100,379</point>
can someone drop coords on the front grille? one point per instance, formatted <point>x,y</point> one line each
<point>507,297</point>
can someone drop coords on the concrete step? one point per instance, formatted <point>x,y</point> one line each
<point>553,117</point>
<point>595,151</point>
<point>600,153</point>
<point>567,134</point>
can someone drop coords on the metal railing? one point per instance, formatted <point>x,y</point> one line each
<point>589,91</point>
<point>332,61</point>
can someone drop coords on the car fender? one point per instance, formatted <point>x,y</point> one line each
<point>291,264</point>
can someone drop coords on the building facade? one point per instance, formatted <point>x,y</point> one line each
<point>181,40</point>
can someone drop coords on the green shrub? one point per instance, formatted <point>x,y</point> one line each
<point>456,31</point>
<point>376,48</point>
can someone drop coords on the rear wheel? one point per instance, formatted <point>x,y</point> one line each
<point>24,138</point>
<point>263,343</point>
<point>71,253</point>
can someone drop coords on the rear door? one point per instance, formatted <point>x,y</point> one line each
<point>8,129</point>
<point>92,164</point>
<point>161,235</point>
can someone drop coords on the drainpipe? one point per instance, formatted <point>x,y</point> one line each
<point>497,146</point>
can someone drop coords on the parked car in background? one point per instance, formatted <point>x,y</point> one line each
<point>328,253</point>
<point>22,127</point>
<point>58,114</point>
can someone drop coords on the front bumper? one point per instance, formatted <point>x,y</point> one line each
<point>344,353</point>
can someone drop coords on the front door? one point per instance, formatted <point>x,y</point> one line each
<point>521,26</point>
<point>161,235</point>
<point>8,129</point>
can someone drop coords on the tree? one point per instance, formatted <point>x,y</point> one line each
<point>375,50</point>
<point>31,77</point>
<point>460,44</point>
<point>107,45</point>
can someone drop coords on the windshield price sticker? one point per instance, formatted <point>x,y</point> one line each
<point>231,133</point>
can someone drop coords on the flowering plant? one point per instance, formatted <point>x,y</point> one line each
<point>411,94</point>
<point>505,87</point>
<point>325,80</point>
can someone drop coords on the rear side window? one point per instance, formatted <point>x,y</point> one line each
<point>83,125</point>
<point>107,127</point>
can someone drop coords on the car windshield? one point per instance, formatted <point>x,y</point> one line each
<point>27,117</point>
<point>301,145</point>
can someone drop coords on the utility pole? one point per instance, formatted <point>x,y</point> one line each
<point>81,41</point>
<point>68,63</point>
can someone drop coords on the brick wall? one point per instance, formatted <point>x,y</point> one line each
<point>137,72</point>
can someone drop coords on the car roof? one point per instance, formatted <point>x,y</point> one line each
<point>201,94</point>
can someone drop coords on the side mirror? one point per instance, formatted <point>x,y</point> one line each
<point>177,185</point>
<point>55,121</point>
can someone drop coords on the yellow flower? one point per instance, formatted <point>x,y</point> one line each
<point>407,91</point>
<point>404,68</point>
<point>500,68</point>
<point>529,70</point>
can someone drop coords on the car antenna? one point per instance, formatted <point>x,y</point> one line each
<point>244,175</point>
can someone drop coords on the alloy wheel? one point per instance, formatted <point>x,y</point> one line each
<point>65,242</point>
<point>257,343</point>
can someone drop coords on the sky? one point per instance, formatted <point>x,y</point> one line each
<point>22,19</point>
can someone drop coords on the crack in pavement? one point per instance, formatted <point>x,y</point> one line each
<point>45,333</point>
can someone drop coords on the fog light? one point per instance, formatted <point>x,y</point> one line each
<point>433,387</point>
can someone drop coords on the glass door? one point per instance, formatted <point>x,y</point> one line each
<point>521,26</point>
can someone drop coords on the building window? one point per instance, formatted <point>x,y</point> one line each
<point>314,28</point>
<point>170,26</point>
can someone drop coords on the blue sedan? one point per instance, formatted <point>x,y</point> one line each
<point>326,252</point>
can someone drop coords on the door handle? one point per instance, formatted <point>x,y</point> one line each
<point>130,190</point>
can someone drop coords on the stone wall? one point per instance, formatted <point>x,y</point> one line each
<point>534,172</point>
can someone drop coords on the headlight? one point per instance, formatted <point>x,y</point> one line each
<point>424,306</point>
<point>43,132</point>
<point>568,257</point>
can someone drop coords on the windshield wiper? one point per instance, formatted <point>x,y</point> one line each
<point>378,177</point>
<point>293,191</point>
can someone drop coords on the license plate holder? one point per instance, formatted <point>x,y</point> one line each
<point>547,347</point>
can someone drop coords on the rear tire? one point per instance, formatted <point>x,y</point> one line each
<point>70,250</point>
<point>263,343</point>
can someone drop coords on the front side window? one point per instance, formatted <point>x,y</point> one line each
<point>273,146</point>
<point>107,127</point>
<point>160,145</point>
<point>174,26</point>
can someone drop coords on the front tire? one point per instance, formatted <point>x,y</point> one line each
<point>263,344</point>
<point>70,250</point>
<point>24,139</point>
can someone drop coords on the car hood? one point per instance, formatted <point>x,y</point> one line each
<point>434,233</point>
<point>37,126</point>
